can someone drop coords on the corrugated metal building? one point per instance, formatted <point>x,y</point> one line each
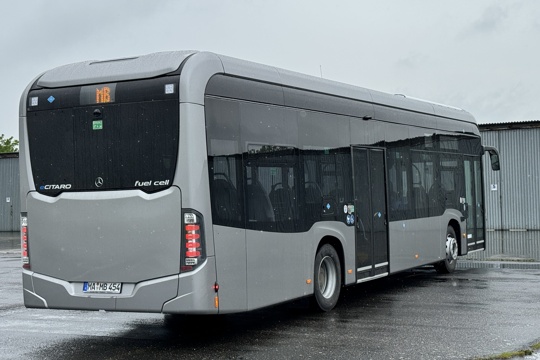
<point>513,194</point>
<point>10,200</point>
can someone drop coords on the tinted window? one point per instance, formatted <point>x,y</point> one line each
<point>118,146</point>
<point>451,180</point>
<point>426,191</point>
<point>225,161</point>
<point>261,177</point>
<point>296,163</point>
<point>399,189</point>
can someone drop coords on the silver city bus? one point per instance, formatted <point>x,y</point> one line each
<point>190,182</point>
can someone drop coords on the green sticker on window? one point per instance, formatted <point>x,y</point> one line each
<point>97,125</point>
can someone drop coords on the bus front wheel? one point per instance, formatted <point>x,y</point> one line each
<point>327,283</point>
<point>448,265</point>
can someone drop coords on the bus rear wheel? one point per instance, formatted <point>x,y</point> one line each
<point>327,283</point>
<point>448,265</point>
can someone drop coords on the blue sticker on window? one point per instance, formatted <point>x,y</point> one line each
<point>51,99</point>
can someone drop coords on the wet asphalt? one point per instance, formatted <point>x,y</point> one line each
<point>9,241</point>
<point>417,314</point>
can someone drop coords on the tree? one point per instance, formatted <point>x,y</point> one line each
<point>8,145</point>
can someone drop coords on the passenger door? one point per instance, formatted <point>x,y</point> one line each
<point>371,213</point>
<point>474,203</point>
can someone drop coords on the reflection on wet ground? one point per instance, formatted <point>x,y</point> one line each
<point>417,314</point>
<point>246,335</point>
<point>413,315</point>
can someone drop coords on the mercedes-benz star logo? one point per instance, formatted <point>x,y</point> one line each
<point>99,182</point>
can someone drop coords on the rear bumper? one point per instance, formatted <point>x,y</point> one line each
<point>185,293</point>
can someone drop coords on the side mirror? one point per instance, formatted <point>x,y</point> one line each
<point>494,157</point>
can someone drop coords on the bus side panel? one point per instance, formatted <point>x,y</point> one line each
<point>230,245</point>
<point>276,263</point>
<point>280,265</point>
<point>415,243</point>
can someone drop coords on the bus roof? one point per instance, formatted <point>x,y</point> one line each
<point>157,64</point>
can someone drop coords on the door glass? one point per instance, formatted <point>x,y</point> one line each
<point>479,202</point>
<point>362,209</point>
<point>378,209</point>
<point>470,203</point>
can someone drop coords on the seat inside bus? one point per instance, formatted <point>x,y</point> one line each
<point>258,204</point>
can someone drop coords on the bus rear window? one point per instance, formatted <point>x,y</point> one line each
<point>104,147</point>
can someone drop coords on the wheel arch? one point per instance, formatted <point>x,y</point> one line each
<point>338,246</point>
<point>454,224</point>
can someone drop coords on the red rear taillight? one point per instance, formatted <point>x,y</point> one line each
<point>193,241</point>
<point>25,255</point>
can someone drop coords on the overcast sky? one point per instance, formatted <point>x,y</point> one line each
<point>479,55</point>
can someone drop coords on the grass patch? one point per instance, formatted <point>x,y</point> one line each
<point>513,354</point>
<point>510,354</point>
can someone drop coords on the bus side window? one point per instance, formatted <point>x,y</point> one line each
<point>271,192</point>
<point>282,196</point>
<point>449,172</point>
<point>258,204</point>
<point>425,187</point>
<point>398,185</point>
<point>224,203</point>
<point>226,192</point>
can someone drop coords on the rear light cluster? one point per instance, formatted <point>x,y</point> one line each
<point>24,243</point>
<point>192,241</point>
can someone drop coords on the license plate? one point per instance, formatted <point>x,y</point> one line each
<point>102,288</point>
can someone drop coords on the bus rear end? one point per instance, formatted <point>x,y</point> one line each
<point>103,225</point>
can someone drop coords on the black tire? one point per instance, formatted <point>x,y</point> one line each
<point>327,278</point>
<point>448,265</point>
